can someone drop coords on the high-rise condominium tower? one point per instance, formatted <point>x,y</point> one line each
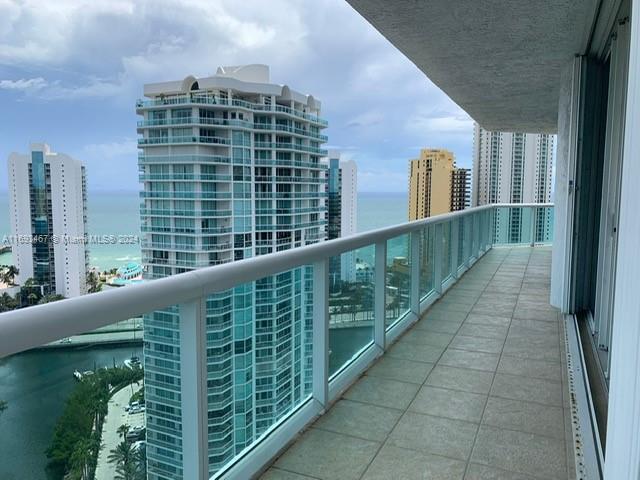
<point>436,186</point>
<point>231,169</point>
<point>342,200</point>
<point>47,211</point>
<point>460,187</point>
<point>513,168</point>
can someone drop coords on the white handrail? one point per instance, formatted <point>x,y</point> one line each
<point>31,327</point>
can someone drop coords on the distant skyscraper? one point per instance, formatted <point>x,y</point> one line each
<point>231,169</point>
<point>47,203</point>
<point>460,187</point>
<point>513,168</point>
<point>342,200</point>
<point>436,186</point>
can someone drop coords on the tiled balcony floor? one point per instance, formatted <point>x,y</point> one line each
<point>476,390</point>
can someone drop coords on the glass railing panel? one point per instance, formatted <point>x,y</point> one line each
<point>351,303</point>
<point>513,225</point>
<point>54,400</point>
<point>464,236</point>
<point>544,224</point>
<point>398,278</point>
<point>446,250</point>
<point>427,260</point>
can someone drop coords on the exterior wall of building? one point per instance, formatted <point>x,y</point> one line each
<point>513,167</point>
<point>430,183</point>
<point>231,169</point>
<point>53,187</point>
<point>342,204</point>
<point>459,189</point>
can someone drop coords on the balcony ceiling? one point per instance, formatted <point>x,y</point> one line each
<point>500,61</point>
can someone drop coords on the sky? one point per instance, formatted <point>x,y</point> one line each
<point>71,71</point>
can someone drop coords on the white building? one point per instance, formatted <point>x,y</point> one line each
<point>47,212</point>
<point>342,200</point>
<point>230,166</point>
<point>511,167</point>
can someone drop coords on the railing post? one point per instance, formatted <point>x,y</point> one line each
<point>475,246</point>
<point>438,236</point>
<point>414,256</point>
<point>455,246</point>
<point>320,365</point>
<point>380,295</point>
<point>482,245</point>
<point>467,251</point>
<point>533,226</point>
<point>193,389</point>
<point>488,241</point>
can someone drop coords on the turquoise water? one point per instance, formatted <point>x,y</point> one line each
<point>116,213</point>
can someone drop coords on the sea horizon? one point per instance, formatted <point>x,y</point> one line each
<point>116,213</point>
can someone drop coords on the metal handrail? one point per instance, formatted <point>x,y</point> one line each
<point>41,324</point>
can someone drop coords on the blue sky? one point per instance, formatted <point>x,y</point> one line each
<point>70,72</point>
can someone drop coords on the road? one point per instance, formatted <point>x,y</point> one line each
<point>116,416</point>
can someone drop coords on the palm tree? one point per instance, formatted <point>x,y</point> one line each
<point>123,430</point>
<point>9,273</point>
<point>93,281</point>
<point>3,406</point>
<point>32,298</point>
<point>81,461</point>
<point>122,454</point>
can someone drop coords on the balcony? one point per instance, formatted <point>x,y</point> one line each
<point>460,352</point>
<point>212,100</point>
<point>477,388</point>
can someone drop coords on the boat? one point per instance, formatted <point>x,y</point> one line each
<point>79,376</point>
<point>133,362</point>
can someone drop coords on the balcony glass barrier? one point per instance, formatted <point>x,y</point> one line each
<point>426,245</point>
<point>398,281</point>
<point>238,358</point>
<point>523,225</point>
<point>351,303</point>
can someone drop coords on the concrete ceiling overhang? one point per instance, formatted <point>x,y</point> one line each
<point>500,60</point>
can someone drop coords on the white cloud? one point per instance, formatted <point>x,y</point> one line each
<point>127,146</point>
<point>377,102</point>
<point>24,84</point>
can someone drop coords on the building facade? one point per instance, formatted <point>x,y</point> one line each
<point>231,169</point>
<point>436,185</point>
<point>47,212</point>
<point>460,189</point>
<point>342,205</point>
<point>513,167</point>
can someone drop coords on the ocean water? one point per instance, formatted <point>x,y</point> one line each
<point>117,213</point>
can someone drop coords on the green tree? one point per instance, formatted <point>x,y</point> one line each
<point>123,456</point>
<point>32,298</point>
<point>7,302</point>
<point>81,460</point>
<point>53,297</point>
<point>123,430</point>
<point>93,282</point>
<point>9,273</point>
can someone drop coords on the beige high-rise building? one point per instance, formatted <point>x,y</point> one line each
<point>432,179</point>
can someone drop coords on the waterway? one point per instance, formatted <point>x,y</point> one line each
<point>35,385</point>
